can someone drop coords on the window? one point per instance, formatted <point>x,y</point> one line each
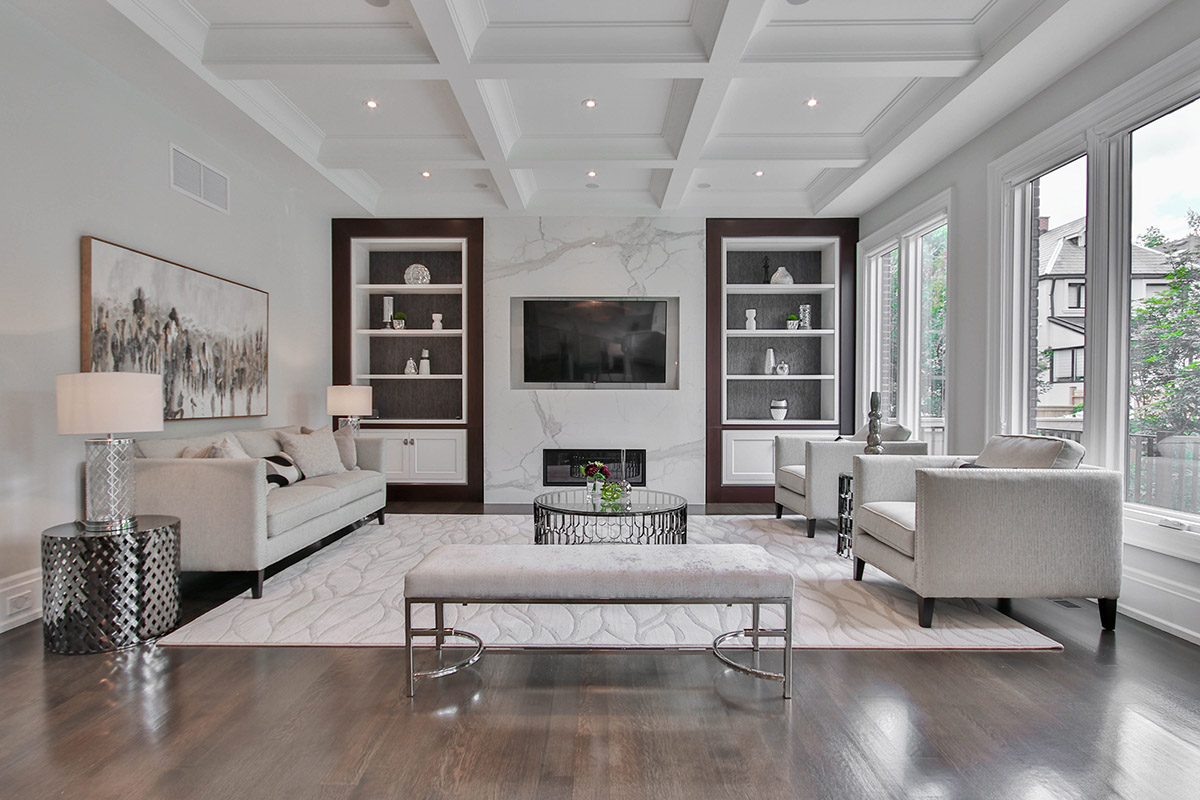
<point>1163,461</point>
<point>904,302</point>
<point>1127,313</point>
<point>1074,295</point>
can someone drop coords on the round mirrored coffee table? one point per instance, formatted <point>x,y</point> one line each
<point>642,516</point>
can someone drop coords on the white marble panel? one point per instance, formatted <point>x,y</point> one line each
<point>592,257</point>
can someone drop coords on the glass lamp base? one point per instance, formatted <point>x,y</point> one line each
<point>109,484</point>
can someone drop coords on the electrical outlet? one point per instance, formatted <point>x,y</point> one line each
<point>20,602</point>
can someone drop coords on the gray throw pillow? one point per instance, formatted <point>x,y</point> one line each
<point>315,453</point>
<point>1021,451</point>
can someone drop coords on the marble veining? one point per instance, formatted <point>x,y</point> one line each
<point>352,594</point>
<point>597,257</point>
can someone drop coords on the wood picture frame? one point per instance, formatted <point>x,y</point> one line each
<point>206,335</point>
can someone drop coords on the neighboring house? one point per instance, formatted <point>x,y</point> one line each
<point>1062,302</point>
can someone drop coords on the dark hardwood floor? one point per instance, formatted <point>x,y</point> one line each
<point>1113,715</point>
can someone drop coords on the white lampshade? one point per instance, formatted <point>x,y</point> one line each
<point>349,401</point>
<point>109,402</point>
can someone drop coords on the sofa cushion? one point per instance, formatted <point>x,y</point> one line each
<point>294,505</point>
<point>351,484</point>
<point>316,453</point>
<point>1019,451</point>
<point>888,432</point>
<point>791,477</point>
<point>344,438</point>
<point>282,471</point>
<point>263,443</point>
<point>173,448</point>
<point>893,523</point>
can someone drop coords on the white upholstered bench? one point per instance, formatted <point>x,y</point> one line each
<point>610,573</point>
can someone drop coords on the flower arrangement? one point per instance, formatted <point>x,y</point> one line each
<point>596,470</point>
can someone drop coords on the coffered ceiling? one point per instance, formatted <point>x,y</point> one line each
<point>692,97</point>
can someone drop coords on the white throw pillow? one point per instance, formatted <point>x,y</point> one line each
<point>315,453</point>
<point>281,471</point>
<point>888,432</point>
<point>347,449</point>
<point>1018,451</point>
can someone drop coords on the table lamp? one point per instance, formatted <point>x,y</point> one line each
<point>110,403</point>
<point>350,403</point>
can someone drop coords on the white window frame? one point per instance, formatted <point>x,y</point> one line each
<point>1101,131</point>
<point>904,234</point>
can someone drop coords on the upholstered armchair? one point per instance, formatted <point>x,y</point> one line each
<point>806,471</point>
<point>1027,523</point>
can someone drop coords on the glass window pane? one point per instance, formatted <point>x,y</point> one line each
<point>1058,290</point>
<point>933,339</point>
<point>1164,337</point>
<point>889,326</point>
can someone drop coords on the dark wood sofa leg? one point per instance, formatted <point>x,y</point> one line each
<point>1108,612</point>
<point>858,568</point>
<point>778,511</point>
<point>812,527</point>
<point>925,612</point>
<point>1004,605</point>
<point>379,516</point>
<point>257,587</point>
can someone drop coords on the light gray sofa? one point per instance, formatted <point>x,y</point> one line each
<point>230,521</point>
<point>1044,530</point>
<point>806,471</point>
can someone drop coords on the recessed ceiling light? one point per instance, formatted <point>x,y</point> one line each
<point>591,173</point>
<point>378,3</point>
<point>758,173</point>
<point>811,102</point>
<point>703,185</point>
<point>592,185</point>
<point>482,186</point>
<point>589,103</point>
<point>426,173</point>
<point>371,104</point>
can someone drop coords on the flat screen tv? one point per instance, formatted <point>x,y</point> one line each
<point>596,341</point>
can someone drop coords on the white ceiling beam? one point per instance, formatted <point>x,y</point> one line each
<point>432,152</point>
<point>438,22</point>
<point>230,47</point>
<point>815,149</point>
<point>742,20</point>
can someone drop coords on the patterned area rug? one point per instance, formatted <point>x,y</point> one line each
<point>351,594</point>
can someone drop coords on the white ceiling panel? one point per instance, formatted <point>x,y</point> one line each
<point>405,108</point>
<point>688,92</point>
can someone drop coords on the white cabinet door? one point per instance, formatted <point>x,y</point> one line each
<point>748,457</point>
<point>423,456</point>
<point>437,456</point>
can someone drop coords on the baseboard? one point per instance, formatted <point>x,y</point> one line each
<point>1163,603</point>
<point>20,599</point>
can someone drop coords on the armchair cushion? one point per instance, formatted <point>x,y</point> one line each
<point>888,432</point>
<point>792,477</point>
<point>1030,452</point>
<point>894,524</point>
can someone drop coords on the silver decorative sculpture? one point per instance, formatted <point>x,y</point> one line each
<point>874,439</point>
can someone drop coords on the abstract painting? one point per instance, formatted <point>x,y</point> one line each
<point>205,335</point>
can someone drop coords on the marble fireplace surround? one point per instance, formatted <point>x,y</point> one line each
<point>592,257</point>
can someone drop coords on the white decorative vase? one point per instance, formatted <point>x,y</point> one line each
<point>793,324</point>
<point>437,322</point>
<point>782,277</point>
<point>751,319</point>
<point>424,368</point>
<point>779,409</point>
<point>769,362</point>
<point>389,308</point>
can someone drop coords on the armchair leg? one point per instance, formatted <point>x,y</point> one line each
<point>379,516</point>
<point>257,587</point>
<point>778,511</point>
<point>925,612</point>
<point>812,527</point>
<point>1108,612</point>
<point>858,568</point>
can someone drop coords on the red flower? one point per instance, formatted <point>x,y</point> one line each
<point>595,468</point>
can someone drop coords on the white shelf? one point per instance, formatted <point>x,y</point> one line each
<point>410,288</point>
<point>781,332</point>
<point>779,288</point>
<point>452,376</point>
<point>408,332</point>
<point>797,423</point>
<point>780,377</point>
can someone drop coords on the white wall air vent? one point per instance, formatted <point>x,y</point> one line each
<point>198,180</point>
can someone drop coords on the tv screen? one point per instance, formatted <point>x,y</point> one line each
<point>595,341</point>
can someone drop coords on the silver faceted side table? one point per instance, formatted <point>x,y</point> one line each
<point>104,591</point>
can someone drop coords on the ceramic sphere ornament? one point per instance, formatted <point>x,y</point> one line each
<point>416,274</point>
